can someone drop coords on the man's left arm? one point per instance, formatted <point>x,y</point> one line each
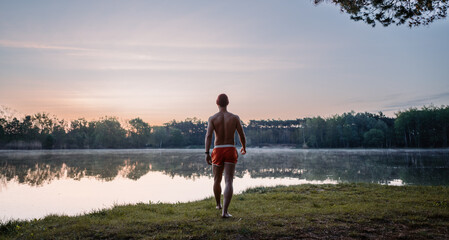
<point>241,135</point>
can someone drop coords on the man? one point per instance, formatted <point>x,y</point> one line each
<point>224,155</point>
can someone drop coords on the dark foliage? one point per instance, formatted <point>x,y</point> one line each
<point>411,12</point>
<point>417,128</point>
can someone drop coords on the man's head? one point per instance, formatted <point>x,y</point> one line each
<point>222,100</point>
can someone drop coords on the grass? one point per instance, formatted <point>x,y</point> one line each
<point>305,211</point>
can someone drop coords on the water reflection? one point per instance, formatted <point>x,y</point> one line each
<point>411,167</point>
<point>37,183</point>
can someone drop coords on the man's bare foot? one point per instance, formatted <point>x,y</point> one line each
<point>226,215</point>
<point>218,207</point>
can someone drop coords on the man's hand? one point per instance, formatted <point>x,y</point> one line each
<point>208,159</point>
<point>243,150</point>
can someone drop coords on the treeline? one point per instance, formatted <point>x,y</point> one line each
<point>41,131</point>
<point>427,127</point>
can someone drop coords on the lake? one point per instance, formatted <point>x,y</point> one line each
<point>34,184</point>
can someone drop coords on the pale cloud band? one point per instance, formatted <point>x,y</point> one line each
<point>13,44</point>
<point>131,59</point>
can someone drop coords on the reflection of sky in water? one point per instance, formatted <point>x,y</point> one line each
<point>68,196</point>
<point>37,183</point>
<point>396,182</point>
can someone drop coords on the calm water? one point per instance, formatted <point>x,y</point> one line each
<point>34,184</point>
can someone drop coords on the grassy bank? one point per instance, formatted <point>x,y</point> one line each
<point>305,211</point>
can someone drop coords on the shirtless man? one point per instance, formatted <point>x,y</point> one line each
<point>224,155</point>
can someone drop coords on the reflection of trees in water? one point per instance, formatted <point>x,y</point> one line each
<point>36,173</point>
<point>37,170</point>
<point>426,168</point>
<point>379,167</point>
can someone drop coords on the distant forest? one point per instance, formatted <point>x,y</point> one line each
<point>427,127</point>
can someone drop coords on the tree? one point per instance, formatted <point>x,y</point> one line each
<point>442,119</point>
<point>159,136</point>
<point>139,133</point>
<point>12,130</point>
<point>316,127</point>
<point>48,142</point>
<point>374,138</point>
<point>411,12</point>
<point>109,133</point>
<point>427,127</point>
<point>43,122</point>
<point>176,138</point>
<point>78,134</point>
<point>191,129</point>
<point>3,123</point>
<point>59,134</point>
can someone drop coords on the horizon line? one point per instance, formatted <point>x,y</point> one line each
<point>8,114</point>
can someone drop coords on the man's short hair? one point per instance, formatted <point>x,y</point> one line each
<point>222,100</point>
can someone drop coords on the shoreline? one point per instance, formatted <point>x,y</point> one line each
<point>299,211</point>
<point>251,148</point>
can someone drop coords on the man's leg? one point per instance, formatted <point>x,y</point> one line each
<point>218,174</point>
<point>229,169</point>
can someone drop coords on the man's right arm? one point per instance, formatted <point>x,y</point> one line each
<point>208,140</point>
<point>241,135</point>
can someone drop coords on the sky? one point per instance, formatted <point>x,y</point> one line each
<point>164,60</point>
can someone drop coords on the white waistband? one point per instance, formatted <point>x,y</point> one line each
<point>223,146</point>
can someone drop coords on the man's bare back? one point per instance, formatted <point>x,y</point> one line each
<point>225,124</point>
<point>224,156</point>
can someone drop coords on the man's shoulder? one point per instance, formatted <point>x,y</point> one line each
<point>220,114</point>
<point>214,116</point>
<point>233,115</point>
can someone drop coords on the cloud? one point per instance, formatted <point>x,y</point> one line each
<point>30,45</point>
<point>35,45</point>
<point>250,64</point>
<point>392,103</point>
<point>416,102</point>
<point>163,57</point>
<point>132,59</point>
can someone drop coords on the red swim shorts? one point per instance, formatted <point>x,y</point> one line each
<point>221,155</point>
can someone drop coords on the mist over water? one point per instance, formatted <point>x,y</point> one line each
<point>34,184</point>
